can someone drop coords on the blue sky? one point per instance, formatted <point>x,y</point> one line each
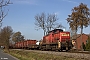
<point>22,12</point>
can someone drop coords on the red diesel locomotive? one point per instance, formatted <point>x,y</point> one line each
<point>56,40</point>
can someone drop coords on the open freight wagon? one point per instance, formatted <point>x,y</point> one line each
<point>27,44</point>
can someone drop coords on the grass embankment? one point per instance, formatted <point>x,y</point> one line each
<point>28,55</point>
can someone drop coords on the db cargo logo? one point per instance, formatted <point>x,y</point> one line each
<point>64,34</point>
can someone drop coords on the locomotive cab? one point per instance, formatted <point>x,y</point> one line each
<point>66,44</point>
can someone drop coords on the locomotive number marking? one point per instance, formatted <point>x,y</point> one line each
<point>64,34</point>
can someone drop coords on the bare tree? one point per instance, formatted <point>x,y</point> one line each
<point>47,22</point>
<point>80,17</point>
<point>5,35</point>
<point>51,22</point>
<point>3,4</point>
<point>40,21</point>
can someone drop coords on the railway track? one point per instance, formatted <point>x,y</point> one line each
<point>81,55</point>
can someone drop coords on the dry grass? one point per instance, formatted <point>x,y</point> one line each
<point>26,55</point>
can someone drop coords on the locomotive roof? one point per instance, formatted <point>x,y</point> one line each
<point>56,30</point>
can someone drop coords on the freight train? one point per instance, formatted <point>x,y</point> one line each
<point>56,39</point>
